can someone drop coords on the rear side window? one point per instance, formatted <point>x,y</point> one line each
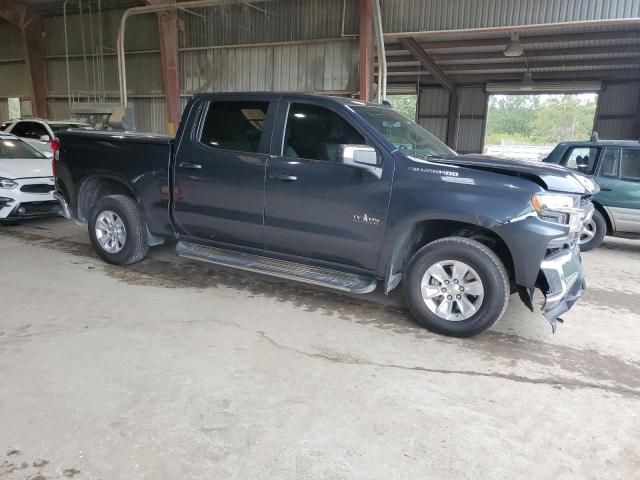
<point>236,126</point>
<point>582,159</point>
<point>610,163</point>
<point>58,127</point>
<point>29,130</point>
<point>630,164</point>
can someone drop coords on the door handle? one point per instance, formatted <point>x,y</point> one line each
<point>283,177</point>
<point>606,189</point>
<point>195,166</point>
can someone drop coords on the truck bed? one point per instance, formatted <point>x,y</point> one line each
<point>138,160</point>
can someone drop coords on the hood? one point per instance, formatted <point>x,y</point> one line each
<point>25,167</point>
<point>549,176</point>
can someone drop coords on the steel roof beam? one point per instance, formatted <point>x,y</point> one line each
<point>616,35</point>
<point>428,63</point>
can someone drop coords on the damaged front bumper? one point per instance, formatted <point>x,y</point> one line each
<point>562,282</point>
<point>565,284</point>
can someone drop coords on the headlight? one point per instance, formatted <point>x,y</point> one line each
<point>6,183</point>
<point>559,208</point>
<point>554,201</point>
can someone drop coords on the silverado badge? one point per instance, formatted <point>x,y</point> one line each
<point>366,219</point>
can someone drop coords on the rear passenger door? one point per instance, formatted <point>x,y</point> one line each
<point>219,172</point>
<point>619,180</point>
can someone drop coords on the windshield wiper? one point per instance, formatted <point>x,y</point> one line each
<point>426,156</point>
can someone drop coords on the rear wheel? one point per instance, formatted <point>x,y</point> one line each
<point>118,231</point>
<point>456,286</point>
<point>593,233</point>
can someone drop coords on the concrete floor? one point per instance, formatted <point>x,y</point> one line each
<point>179,370</point>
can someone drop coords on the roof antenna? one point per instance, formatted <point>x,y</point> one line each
<point>595,137</point>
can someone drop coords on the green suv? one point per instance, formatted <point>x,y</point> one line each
<point>615,166</point>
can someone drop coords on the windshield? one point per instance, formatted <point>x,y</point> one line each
<point>60,127</point>
<point>18,149</point>
<point>405,134</point>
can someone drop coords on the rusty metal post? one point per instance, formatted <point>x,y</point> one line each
<point>365,82</point>
<point>168,29</point>
<point>32,46</point>
<point>30,25</point>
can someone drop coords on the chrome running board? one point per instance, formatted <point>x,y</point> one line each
<point>335,279</point>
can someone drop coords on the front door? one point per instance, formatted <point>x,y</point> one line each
<point>619,181</point>
<point>315,206</point>
<point>220,171</point>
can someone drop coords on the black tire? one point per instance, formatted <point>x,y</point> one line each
<point>135,246</point>
<point>488,267</point>
<point>599,225</point>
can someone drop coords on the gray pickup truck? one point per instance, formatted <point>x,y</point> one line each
<point>339,193</point>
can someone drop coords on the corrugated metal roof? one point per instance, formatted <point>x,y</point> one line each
<point>276,21</point>
<point>326,66</point>
<point>141,33</point>
<point>10,45</point>
<point>429,15</point>
<point>619,99</point>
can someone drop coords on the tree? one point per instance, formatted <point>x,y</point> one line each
<point>563,118</point>
<point>539,119</point>
<point>405,104</point>
<point>512,114</point>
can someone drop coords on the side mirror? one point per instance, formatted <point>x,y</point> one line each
<point>363,157</point>
<point>45,139</point>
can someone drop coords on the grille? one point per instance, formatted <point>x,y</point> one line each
<point>584,201</point>
<point>28,209</point>
<point>38,188</point>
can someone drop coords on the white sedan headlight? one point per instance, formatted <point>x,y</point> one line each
<point>6,183</point>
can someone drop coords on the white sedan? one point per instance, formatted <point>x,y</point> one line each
<point>26,181</point>
<point>39,133</point>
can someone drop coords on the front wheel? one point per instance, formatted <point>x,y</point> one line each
<point>593,232</point>
<point>456,286</point>
<point>118,231</point>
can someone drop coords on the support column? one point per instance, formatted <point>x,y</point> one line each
<point>636,123</point>
<point>168,30</point>
<point>32,47</point>
<point>452,127</point>
<point>30,26</point>
<point>366,47</point>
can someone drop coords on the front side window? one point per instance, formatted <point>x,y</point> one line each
<point>630,164</point>
<point>234,126</point>
<point>13,148</point>
<point>610,163</point>
<point>316,133</point>
<point>405,134</point>
<point>582,159</point>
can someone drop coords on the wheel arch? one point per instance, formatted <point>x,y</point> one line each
<point>425,231</point>
<point>607,217</point>
<point>94,187</point>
